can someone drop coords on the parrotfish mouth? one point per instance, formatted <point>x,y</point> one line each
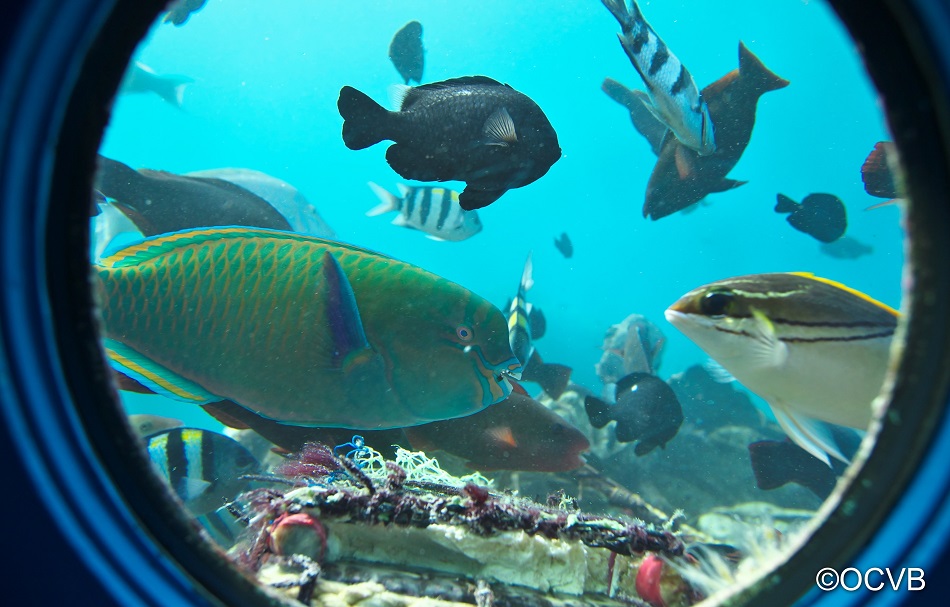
<point>493,378</point>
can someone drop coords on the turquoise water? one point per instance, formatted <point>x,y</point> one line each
<point>267,77</point>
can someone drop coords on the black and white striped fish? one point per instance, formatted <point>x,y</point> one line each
<point>432,210</point>
<point>204,468</point>
<point>815,350</point>
<point>674,97</point>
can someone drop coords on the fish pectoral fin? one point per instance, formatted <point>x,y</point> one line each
<point>473,198</point>
<point>768,349</point>
<point>499,129</point>
<point>684,162</point>
<point>344,325</point>
<point>725,185</point>
<point>152,375</point>
<point>810,434</point>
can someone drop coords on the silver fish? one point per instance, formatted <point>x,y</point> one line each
<point>675,98</point>
<point>815,350</point>
<point>432,210</point>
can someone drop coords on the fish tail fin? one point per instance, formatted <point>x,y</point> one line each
<point>363,119</point>
<point>619,93</point>
<point>389,202</point>
<point>526,281</point>
<point>784,204</point>
<point>754,71</point>
<point>626,17</point>
<point>172,89</point>
<point>597,410</point>
<point>553,378</point>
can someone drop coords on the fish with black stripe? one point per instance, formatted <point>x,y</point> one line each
<point>432,210</point>
<point>814,349</point>
<point>525,324</point>
<point>205,469</point>
<point>674,97</point>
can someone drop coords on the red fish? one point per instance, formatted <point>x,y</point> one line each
<point>681,176</point>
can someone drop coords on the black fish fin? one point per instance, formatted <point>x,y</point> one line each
<point>644,447</point>
<point>725,185</point>
<point>411,164</point>
<point>754,72</point>
<point>363,119</point>
<point>784,204</point>
<point>537,323</point>
<point>552,377</point>
<point>460,81</point>
<point>598,411</point>
<point>777,463</point>
<point>471,198</point>
<point>499,129</point>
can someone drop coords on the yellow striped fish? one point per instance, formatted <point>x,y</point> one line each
<point>300,330</point>
<point>813,349</point>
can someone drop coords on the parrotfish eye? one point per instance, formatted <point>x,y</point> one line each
<point>716,303</point>
<point>464,333</point>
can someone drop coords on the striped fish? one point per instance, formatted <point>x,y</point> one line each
<point>814,349</point>
<point>432,210</point>
<point>203,468</point>
<point>674,97</point>
<point>300,330</point>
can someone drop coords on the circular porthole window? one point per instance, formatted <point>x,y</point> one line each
<point>668,323</point>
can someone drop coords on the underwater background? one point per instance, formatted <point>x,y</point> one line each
<point>266,82</point>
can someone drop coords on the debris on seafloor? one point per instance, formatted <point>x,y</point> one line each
<point>359,525</point>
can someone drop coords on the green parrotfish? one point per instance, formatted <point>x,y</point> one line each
<point>300,330</point>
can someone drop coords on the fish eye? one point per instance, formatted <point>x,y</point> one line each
<point>465,333</point>
<point>716,303</point>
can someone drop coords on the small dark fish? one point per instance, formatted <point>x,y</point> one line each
<point>646,410</point>
<point>518,433</point>
<point>878,171</point>
<point>179,11</point>
<point>819,215</point>
<point>777,463</point>
<point>406,52</point>
<point>638,104</point>
<point>204,468</point>
<point>140,78</point>
<point>471,129</point>
<point>681,176</point>
<point>158,202</point>
<point>846,247</point>
<point>563,244</point>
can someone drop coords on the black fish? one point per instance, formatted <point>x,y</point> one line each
<point>472,129</point>
<point>846,248</point>
<point>563,244</point>
<point>406,52</point>
<point>819,215</point>
<point>646,410</point>
<point>158,202</point>
<point>777,463</point>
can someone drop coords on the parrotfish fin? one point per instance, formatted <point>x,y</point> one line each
<point>228,420</point>
<point>474,198</point>
<point>388,202</point>
<point>810,434</point>
<point>154,376</point>
<point>517,388</point>
<point>684,161</point>
<point>499,129</point>
<point>717,372</point>
<point>364,120</point>
<point>419,440</point>
<point>345,326</point>
<point>126,383</point>
<point>598,411</point>
<point>725,185</point>
<point>886,203</point>
<point>784,204</point>
<point>770,351</point>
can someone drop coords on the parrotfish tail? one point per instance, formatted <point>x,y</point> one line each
<point>785,204</point>
<point>597,410</point>
<point>363,119</point>
<point>759,77</point>
<point>119,181</point>
<point>346,327</point>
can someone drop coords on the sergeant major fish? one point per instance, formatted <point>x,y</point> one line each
<point>813,349</point>
<point>203,468</point>
<point>674,97</point>
<point>432,210</point>
<point>471,129</point>
<point>327,334</point>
